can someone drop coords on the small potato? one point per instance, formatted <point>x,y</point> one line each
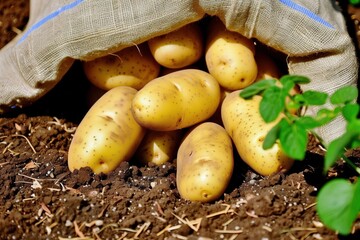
<point>205,163</point>
<point>159,147</point>
<point>108,133</point>
<point>176,100</point>
<point>133,66</point>
<point>243,122</point>
<point>179,48</point>
<point>230,57</point>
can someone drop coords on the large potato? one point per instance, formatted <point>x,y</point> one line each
<point>108,133</point>
<point>133,66</point>
<point>159,147</point>
<point>230,57</point>
<point>176,100</point>
<point>179,48</point>
<point>243,122</point>
<point>205,163</point>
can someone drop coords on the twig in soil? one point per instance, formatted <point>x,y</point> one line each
<point>77,230</point>
<point>62,125</point>
<point>194,224</point>
<point>143,228</point>
<point>228,231</point>
<point>37,179</point>
<point>27,140</point>
<point>179,236</point>
<point>103,211</point>
<point>310,206</point>
<point>107,226</point>
<point>225,211</point>
<point>159,209</point>
<point>3,164</point>
<point>46,209</point>
<point>96,235</point>
<point>251,214</point>
<point>296,229</point>
<point>267,228</point>
<point>164,230</point>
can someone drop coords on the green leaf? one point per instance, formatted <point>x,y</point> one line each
<point>324,116</point>
<point>273,135</point>
<point>314,98</point>
<point>308,122</point>
<point>336,149</point>
<point>293,139</point>
<point>296,79</point>
<point>287,86</point>
<point>354,2</point>
<point>338,205</point>
<point>272,103</point>
<point>350,111</point>
<point>344,95</point>
<point>257,88</point>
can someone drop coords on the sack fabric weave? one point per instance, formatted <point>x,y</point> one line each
<point>312,34</point>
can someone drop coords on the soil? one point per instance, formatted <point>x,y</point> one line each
<point>42,199</point>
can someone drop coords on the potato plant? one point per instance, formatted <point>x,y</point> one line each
<point>338,200</point>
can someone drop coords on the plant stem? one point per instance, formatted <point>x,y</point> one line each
<point>348,161</point>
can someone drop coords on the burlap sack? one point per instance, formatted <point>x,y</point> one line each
<point>311,33</point>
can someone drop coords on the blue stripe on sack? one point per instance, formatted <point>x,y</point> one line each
<point>306,11</point>
<point>49,17</point>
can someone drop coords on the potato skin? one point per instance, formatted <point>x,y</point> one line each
<point>243,122</point>
<point>132,66</point>
<point>159,147</point>
<point>230,57</point>
<point>179,48</point>
<point>108,133</point>
<point>205,163</point>
<point>176,100</point>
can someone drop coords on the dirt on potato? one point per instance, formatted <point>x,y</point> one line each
<point>42,199</point>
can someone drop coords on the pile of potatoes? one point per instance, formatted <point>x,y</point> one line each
<point>176,96</point>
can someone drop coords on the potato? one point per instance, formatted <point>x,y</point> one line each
<point>179,48</point>
<point>108,133</point>
<point>230,57</point>
<point>133,66</point>
<point>205,163</point>
<point>176,100</point>
<point>159,147</point>
<point>243,122</point>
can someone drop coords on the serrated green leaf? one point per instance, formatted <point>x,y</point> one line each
<point>294,139</point>
<point>344,95</point>
<point>338,205</point>
<point>350,111</point>
<point>257,88</point>
<point>272,103</point>
<point>314,98</point>
<point>273,135</point>
<point>296,79</point>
